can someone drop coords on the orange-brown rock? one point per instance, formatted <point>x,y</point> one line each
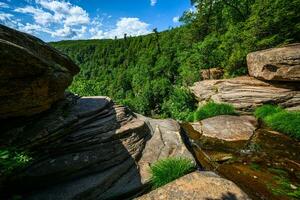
<point>33,75</point>
<point>276,64</point>
<point>197,186</point>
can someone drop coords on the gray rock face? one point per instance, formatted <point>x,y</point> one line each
<point>90,148</point>
<point>246,93</point>
<point>197,186</point>
<point>33,75</point>
<point>277,64</point>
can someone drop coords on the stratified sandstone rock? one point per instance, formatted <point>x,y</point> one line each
<point>213,73</point>
<point>33,75</point>
<point>277,64</point>
<point>197,186</point>
<point>225,132</point>
<point>83,148</point>
<point>246,93</point>
<point>165,142</point>
<point>89,148</point>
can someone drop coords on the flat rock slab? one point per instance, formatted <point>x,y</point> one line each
<point>246,93</point>
<point>225,131</point>
<point>197,186</point>
<point>276,64</point>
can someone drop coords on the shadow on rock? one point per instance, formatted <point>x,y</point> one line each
<point>83,148</point>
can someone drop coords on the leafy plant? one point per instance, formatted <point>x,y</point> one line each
<point>212,109</point>
<point>11,159</point>
<point>169,169</point>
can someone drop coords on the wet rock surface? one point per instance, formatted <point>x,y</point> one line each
<point>33,75</point>
<point>198,186</point>
<point>224,132</point>
<point>276,64</point>
<point>247,93</point>
<point>267,167</point>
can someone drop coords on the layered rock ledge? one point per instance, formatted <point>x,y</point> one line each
<point>276,64</point>
<point>33,75</point>
<point>246,93</point>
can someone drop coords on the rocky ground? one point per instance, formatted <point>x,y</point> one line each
<point>91,148</point>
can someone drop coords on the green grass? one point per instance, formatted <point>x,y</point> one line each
<point>266,110</point>
<point>287,122</point>
<point>212,109</point>
<point>283,188</point>
<point>167,170</point>
<point>11,159</point>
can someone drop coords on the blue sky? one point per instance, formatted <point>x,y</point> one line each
<point>53,20</point>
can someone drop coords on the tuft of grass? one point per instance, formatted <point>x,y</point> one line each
<point>212,109</point>
<point>266,110</point>
<point>169,169</point>
<point>287,122</point>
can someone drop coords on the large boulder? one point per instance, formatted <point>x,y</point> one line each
<point>33,75</point>
<point>197,186</point>
<point>246,93</point>
<point>88,148</point>
<point>277,64</point>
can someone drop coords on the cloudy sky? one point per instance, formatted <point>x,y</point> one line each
<point>53,20</point>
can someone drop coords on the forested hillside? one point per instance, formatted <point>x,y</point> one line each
<point>150,73</point>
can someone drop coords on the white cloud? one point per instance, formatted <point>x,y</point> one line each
<point>33,28</point>
<point>61,18</point>
<point>5,16</point>
<point>129,26</point>
<point>153,2</point>
<point>8,20</point>
<point>176,19</point>
<point>40,16</point>
<point>65,11</point>
<point>3,5</point>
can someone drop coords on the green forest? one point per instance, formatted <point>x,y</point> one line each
<point>150,74</point>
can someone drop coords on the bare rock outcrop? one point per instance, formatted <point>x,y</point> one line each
<point>33,75</point>
<point>89,148</point>
<point>276,64</point>
<point>246,93</point>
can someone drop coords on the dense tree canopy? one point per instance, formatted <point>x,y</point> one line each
<point>150,73</point>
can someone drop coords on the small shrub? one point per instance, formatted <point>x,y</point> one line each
<point>167,170</point>
<point>266,110</point>
<point>212,109</point>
